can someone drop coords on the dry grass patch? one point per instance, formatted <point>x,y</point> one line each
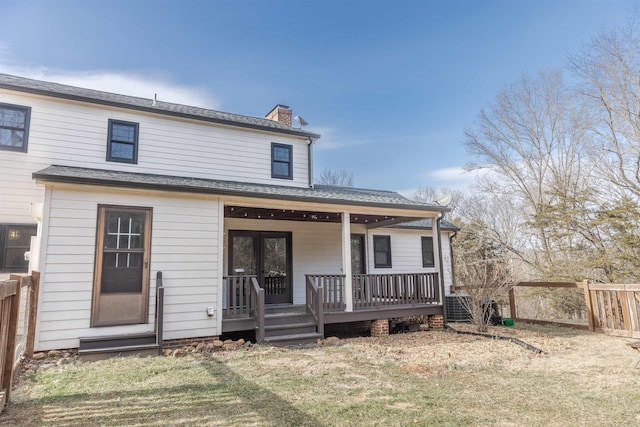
<point>425,378</point>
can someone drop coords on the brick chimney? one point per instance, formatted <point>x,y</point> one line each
<point>280,113</point>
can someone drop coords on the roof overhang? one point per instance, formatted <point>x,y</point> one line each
<point>238,193</point>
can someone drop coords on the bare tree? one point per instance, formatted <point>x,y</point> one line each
<point>483,272</point>
<point>530,139</point>
<point>609,67</point>
<point>336,178</point>
<point>432,194</point>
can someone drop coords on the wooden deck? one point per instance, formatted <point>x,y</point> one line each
<point>374,296</point>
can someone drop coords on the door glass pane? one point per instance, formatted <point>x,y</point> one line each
<point>357,261</point>
<point>275,265</point>
<point>243,258</point>
<point>123,255</point>
<point>124,230</point>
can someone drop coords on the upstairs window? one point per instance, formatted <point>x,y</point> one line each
<point>122,144</point>
<point>427,252</point>
<point>281,161</point>
<point>14,127</point>
<point>382,251</point>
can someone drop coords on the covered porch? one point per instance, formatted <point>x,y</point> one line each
<point>333,259</point>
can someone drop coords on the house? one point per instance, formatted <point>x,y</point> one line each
<point>114,197</point>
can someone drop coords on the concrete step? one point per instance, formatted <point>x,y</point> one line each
<point>293,340</point>
<point>114,341</point>
<point>106,353</point>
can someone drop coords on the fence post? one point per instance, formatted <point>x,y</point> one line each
<point>588,303</point>
<point>34,293</point>
<point>7,376</point>
<point>512,304</point>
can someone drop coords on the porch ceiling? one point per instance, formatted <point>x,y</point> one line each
<point>311,216</point>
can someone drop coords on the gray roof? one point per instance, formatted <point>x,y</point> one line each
<point>318,194</point>
<point>426,224</point>
<point>143,104</point>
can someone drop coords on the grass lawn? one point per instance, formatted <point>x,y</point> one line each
<point>423,378</point>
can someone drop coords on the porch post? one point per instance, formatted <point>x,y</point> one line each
<point>346,261</point>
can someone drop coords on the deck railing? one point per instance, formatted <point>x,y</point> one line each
<point>245,299</point>
<point>371,291</point>
<point>332,286</point>
<point>315,302</point>
<point>379,290</point>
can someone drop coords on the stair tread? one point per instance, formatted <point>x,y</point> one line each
<point>290,326</point>
<point>306,335</point>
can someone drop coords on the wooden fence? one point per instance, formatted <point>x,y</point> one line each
<point>11,309</point>
<point>610,308</point>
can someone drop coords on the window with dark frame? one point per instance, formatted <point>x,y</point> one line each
<point>427,252</point>
<point>122,144</point>
<point>382,251</point>
<point>14,127</point>
<point>281,161</point>
<point>15,240</point>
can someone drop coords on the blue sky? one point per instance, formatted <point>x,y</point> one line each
<point>391,85</point>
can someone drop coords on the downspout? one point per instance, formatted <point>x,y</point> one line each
<point>441,269</point>
<point>310,159</point>
<point>453,265</point>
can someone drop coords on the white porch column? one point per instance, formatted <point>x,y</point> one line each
<point>346,261</point>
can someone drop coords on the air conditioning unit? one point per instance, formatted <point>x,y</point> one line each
<point>456,310</point>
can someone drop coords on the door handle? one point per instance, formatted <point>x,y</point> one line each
<point>146,263</point>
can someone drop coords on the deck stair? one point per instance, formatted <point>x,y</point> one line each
<point>289,325</point>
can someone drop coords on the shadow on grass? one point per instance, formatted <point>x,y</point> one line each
<point>228,399</point>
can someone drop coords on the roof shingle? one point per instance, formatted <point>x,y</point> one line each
<point>142,104</point>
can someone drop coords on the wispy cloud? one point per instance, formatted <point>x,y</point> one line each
<point>454,178</point>
<point>126,83</point>
<point>457,173</point>
<point>333,139</point>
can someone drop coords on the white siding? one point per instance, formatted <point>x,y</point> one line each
<point>184,247</point>
<point>406,251</point>
<point>75,134</point>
